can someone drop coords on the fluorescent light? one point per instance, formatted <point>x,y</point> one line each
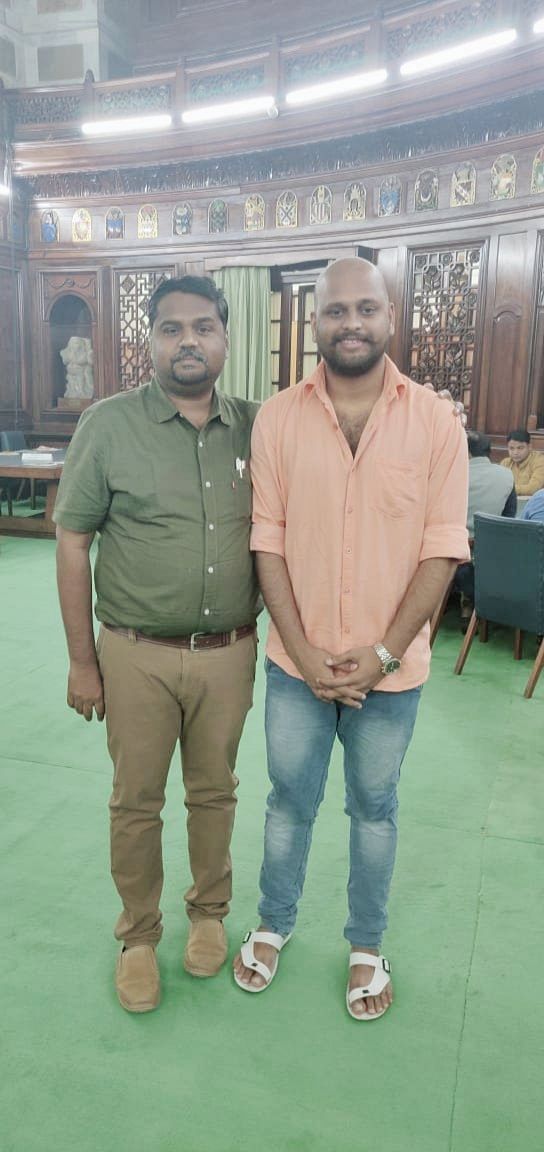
<point>331,88</point>
<point>5,190</point>
<point>232,110</point>
<point>462,52</point>
<point>127,124</point>
<point>538,28</point>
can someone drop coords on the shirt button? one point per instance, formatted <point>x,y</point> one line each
<point>211,527</point>
<point>350,510</point>
<point>200,444</point>
<point>347,631</point>
<point>206,611</point>
<point>348,550</point>
<point>208,484</point>
<point>210,569</point>
<point>347,589</point>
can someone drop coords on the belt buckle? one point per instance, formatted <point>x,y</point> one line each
<point>192,645</point>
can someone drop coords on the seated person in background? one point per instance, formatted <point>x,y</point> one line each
<point>491,490</point>
<point>526,465</point>
<point>534,508</point>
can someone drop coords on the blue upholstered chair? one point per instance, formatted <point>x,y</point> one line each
<point>508,584</point>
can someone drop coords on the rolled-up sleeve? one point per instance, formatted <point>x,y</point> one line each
<point>268,518</point>
<point>84,496</point>
<point>445,534</point>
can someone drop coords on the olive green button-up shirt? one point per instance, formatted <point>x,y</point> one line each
<point>172,505</point>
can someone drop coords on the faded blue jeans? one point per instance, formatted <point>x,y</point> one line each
<point>300,733</point>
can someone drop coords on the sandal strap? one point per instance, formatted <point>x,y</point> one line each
<point>379,981</point>
<point>249,958</point>
<point>271,938</point>
<point>377,962</point>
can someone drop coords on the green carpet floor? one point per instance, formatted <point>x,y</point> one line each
<point>456,1065</point>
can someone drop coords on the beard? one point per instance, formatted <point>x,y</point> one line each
<point>185,372</point>
<point>351,365</point>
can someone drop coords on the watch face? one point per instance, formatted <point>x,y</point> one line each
<point>391,665</point>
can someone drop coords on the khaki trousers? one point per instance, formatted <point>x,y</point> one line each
<point>156,695</point>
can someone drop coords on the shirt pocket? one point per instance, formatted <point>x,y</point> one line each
<point>399,489</point>
<point>236,497</point>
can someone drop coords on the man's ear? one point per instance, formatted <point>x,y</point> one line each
<point>227,345</point>
<point>391,319</point>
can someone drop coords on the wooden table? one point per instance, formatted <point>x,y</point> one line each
<point>40,524</point>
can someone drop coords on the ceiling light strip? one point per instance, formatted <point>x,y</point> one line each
<point>341,87</point>
<point>459,52</point>
<point>232,110</point>
<point>127,124</point>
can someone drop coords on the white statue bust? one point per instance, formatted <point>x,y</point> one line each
<point>77,358</point>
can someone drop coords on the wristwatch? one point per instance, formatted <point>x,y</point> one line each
<point>389,663</point>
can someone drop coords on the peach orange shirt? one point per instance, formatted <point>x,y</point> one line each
<point>354,530</point>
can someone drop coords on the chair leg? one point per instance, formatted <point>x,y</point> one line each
<point>32,493</point>
<point>535,672</point>
<point>438,613</point>
<point>484,631</point>
<point>10,502</point>
<point>469,637</point>
<point>518,644</point>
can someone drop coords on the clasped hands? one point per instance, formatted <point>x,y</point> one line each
<point>346,678</point>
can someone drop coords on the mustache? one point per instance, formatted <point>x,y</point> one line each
<point>189,356</point>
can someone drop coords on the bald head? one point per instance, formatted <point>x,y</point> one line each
<point>353,317</point>
<point>352,270</point>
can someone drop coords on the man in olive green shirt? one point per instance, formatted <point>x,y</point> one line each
<point>162,474</point>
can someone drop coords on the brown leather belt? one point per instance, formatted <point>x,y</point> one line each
<point>196,642</point>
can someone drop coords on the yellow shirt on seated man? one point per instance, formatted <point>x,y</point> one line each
<point>526,465</point>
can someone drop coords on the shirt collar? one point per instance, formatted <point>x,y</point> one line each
<point>394,384</point>
<point>163,409</point>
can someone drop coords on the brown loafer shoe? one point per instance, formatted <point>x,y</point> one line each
<point>206,949</point>
<point>137,979</point>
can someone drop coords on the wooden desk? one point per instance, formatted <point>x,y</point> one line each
<point>40,524</point>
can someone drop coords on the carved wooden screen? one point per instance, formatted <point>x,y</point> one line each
<point>133,289</point>
<point>443,313</point>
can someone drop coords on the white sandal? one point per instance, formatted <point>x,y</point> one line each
<point>380,980</point>
<point>249,959</point>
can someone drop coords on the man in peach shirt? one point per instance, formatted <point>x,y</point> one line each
<point>360,498</point>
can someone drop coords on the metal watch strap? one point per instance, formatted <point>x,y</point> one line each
<point>382,653</point>
<point>386,659</point>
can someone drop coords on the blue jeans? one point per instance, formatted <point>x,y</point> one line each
<point>300,732</point>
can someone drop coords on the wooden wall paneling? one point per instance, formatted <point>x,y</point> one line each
<point>536,373</point>
<point>51,285</point>
<point>107,382</point>
<point>25,337</point>
<point>192,268</point>
<point>392,263</point>
<point>11,377</point>
<point>507,333</point>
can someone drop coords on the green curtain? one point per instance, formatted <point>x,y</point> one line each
<point>248,370</point>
